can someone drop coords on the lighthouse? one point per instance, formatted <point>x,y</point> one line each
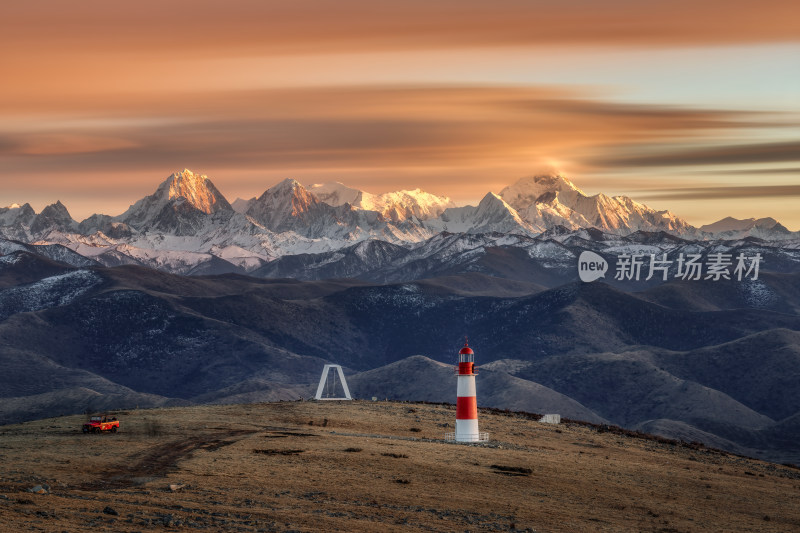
<point>467,402</point>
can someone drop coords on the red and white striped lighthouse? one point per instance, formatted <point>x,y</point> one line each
<point>466,402</point>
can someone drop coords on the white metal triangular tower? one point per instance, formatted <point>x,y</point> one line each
<point>323,380</point>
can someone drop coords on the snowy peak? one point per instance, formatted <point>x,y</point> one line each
<point>493,204</point>
<point>184,191</point>
<point>289,185</point>
<point>735,224</point>
<point>17,214</point>
<point>539,189</point>
<point>289,196</point>
<point>15,221</point>
<point>403,205</point>
<point>336,194</point>
<point>288,207</point>
<point>105,225</point>
<point>396,206</point>
<point>240,205</point>
<point>491,215</point>
<point>56,210</point>
<point>283,205</point>
<point>545,201</point>
<point>178,206</point>
<point>196,189</point>
<point>53,217</point>
<point>763,228</point>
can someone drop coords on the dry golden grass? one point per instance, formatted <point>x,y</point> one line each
<point>373,466</point>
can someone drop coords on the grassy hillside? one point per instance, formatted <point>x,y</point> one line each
<point>375,466</point>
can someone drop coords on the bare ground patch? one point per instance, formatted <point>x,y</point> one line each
<point>160,460</point>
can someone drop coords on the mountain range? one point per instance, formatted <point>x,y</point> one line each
<point>187,226</point>
<point>187,298</point>
<point>705,361</point>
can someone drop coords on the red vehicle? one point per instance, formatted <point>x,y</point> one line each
<point>98,424</point>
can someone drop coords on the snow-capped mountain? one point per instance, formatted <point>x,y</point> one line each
<point>15,221</point>
<point>53,217</point>
<point>184,224</point>
<point>106,225</point>
<point>546,201</point>
<point>546,260</point>
<point>492,214</point>
<point>395,206</point>
<point>335,193</point>
<point>187,225</point>
<point>763,228</point>
<point>55,252</point>
<point>180,206</point>
<point>290,207</point>
<point>240,205</point>
<point>17,214</point>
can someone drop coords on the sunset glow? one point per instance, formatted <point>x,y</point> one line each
<point>687,106</point>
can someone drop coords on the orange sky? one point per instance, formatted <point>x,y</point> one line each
<point>100,102</point>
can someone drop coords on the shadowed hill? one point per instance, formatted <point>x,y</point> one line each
<point>422,379</point>
<point>587,351</point>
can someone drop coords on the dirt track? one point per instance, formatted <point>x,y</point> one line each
<point>364,466</point>
<point>159,460</point>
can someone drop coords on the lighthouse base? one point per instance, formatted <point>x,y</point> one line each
<point>483,436</point>
<point>467,431</point>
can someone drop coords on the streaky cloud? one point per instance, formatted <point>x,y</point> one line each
<point>718,193</point>
<point>775,152</point>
